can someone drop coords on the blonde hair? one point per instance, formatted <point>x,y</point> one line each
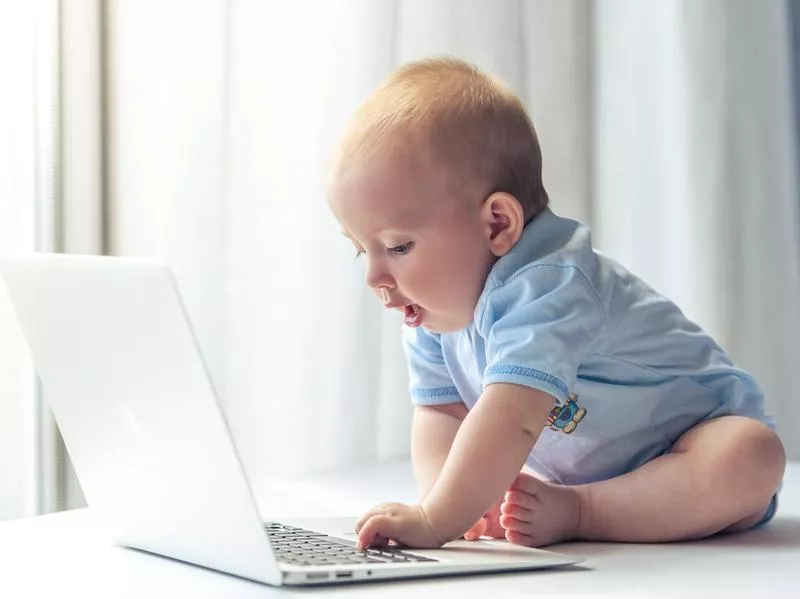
<point>469,123</point>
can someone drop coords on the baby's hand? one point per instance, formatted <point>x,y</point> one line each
<point>405,524</point>
<point>488,526</point>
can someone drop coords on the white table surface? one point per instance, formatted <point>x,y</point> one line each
<point>68,555</point>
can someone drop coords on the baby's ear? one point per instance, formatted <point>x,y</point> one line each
<point>503,220</point>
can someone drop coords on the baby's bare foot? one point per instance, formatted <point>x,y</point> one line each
<point>536,513</point>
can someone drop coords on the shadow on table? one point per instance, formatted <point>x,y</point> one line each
<point>781,533</point>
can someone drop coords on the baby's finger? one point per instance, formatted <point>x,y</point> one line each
<point>375,532</point>
<point>362,519</point>
<point>494,530</point>
<point>478,530</point>
<point>378,509</point>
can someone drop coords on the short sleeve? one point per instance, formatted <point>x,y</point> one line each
<point>429,380</point>
<point>538,328</point>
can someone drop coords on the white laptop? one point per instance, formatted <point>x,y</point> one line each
<point>125,380</point>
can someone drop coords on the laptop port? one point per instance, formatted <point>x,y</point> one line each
<point>348,574</point>
<point>317,576</point>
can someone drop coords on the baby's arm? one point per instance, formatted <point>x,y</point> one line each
<point>488,452</point>
<point>489,449</point>
<point>432,433</point>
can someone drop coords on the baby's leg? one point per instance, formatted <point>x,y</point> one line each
<point>720,476</point>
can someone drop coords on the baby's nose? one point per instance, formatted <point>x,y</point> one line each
<point>378,278</point>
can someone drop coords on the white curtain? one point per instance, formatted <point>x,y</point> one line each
<point>665,125</point>
<point>17,234</point>
<point>51,165</point>
<point>34,472</point>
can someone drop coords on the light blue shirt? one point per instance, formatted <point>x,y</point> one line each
<point>629,372</point>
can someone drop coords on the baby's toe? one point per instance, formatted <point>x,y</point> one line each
<point>520,498</point>
<point>511,523</point>
<point>519,538</point>
<point>516,511</point>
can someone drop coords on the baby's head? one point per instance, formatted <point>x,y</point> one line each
<point>435,177</point>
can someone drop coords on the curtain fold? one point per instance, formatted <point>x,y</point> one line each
<point>32,457</point>
<point>80,226</point>
<point>52,201</point>
<point>18,417</point>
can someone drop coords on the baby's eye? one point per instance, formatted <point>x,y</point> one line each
<point>401,249</point>
<point>359,253</point>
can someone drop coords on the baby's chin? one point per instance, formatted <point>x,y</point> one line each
<point>434,325</point>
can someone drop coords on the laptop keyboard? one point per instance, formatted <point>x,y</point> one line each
<point>301,547</point>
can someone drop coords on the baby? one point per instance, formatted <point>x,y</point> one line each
<point>526,348</point>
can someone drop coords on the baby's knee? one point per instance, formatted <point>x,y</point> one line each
<point>739,451</point>
<point>767,451</point>
<point>756,451</point>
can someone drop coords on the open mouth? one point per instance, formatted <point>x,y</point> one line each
<point>413,315</point>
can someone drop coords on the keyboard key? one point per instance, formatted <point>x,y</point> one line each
<point>301,547</point>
